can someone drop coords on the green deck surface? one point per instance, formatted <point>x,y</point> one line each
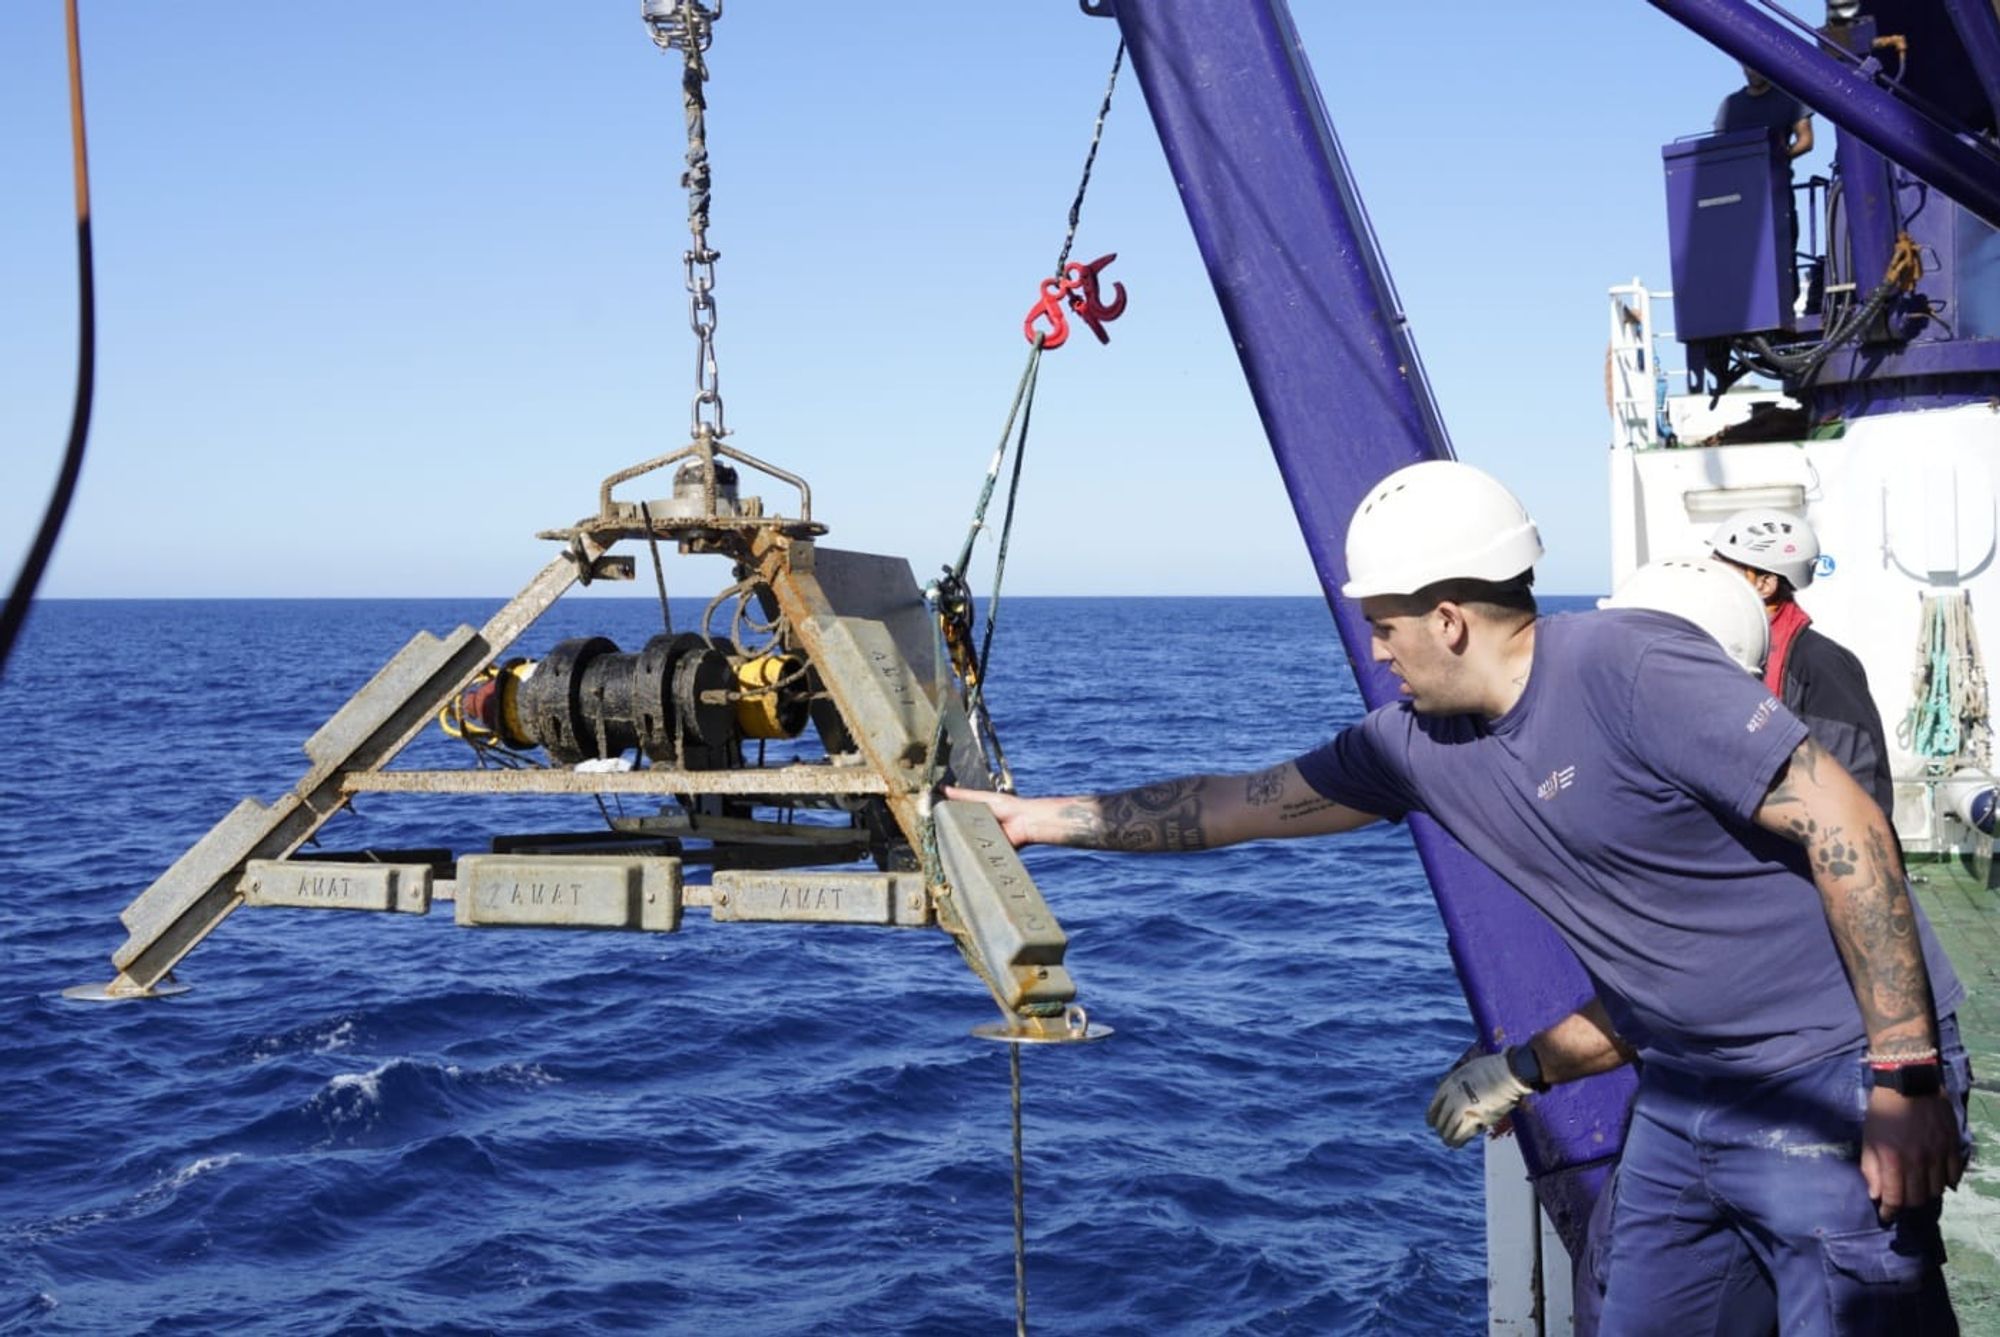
<point>1966,914</point>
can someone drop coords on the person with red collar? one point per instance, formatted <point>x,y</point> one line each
<point>1817,678</point>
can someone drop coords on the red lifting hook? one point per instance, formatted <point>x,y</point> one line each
<point>1050,307</point>
<point>1084,298</point>
<point>1078,289</point>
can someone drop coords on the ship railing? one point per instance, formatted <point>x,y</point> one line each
<point>1635,377</point>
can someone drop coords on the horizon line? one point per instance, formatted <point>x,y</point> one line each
<point>636,598</point>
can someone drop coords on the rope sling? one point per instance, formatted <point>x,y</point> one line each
<point>1947,726</point>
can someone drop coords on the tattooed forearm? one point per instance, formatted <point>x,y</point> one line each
<point>1859,873</point>
<point>1266,787</point>
<point>1165,817</point>
<point>1197,812</point>
<point>1860,879</point>
<point>1299,809</point>
<point>1832,854</point>
<point>1875,928</point>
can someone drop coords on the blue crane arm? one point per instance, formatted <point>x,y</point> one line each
<point>1335,376</point>
<point>1950,157</point>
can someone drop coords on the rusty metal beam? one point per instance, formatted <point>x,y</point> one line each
<point>200,890</point>
<point>776,781</point>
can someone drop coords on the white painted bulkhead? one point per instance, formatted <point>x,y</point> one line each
<point>1903,505</point>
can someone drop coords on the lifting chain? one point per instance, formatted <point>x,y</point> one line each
<point>688,26</point>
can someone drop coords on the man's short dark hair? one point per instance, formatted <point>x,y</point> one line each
<point>1785,588</point>
<point>1499,599</point>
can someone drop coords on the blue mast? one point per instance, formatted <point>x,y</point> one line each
<point>1335,376</point>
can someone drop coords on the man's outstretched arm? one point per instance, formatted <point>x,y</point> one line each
<point>1196,812</point>
<point>1909,1145</point>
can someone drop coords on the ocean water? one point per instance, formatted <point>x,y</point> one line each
<point>377,1123</point>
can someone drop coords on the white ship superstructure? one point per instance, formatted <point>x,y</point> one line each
<point>1904,507</point>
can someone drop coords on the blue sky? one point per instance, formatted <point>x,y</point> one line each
<point>384,288</point>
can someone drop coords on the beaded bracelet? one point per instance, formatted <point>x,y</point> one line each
<point>1900,1060</point>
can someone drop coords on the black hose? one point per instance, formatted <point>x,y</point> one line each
<point>1804,366</point>
<point>16,612</point>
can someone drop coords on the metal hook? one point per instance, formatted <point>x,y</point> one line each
<point>1050,307</point>
<point>1086,299</point>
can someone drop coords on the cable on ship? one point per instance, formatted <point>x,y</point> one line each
<point>1757,353</point>
<point>15,614</point>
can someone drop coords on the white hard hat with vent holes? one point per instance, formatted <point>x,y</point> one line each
<point>1775,541</point>
<point>1439,520</point>
<point>1706,593</point>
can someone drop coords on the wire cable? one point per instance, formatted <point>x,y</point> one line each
<point>1020,1196</point>
<point>30,578</point>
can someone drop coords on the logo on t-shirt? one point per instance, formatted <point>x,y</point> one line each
<point>1557,781</point>
<point>1762,715</point>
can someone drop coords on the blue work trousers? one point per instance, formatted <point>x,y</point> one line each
<point>1741,1209</point>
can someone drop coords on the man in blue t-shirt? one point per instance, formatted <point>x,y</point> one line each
<point>1738,900</point>
<point>1759,105</point>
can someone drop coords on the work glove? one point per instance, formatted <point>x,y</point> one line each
<point>1474,1097</point>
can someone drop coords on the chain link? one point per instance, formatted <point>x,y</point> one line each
<point>688,26</point>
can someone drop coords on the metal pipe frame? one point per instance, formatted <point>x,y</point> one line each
<point>1978,29</point>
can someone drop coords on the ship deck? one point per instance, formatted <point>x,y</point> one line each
<point>1964,907</point>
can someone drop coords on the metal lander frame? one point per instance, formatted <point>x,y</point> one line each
<point>868,665</point>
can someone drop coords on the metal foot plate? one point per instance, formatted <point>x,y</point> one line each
<point>1072,1028</point>
<point>104,993</point>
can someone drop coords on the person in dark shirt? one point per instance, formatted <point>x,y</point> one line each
<point>1817,678</point>
<point>1736,897</point>
<point>1760,105</point>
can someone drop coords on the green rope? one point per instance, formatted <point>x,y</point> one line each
<point>1938,732</point>
<point>1023,392</point>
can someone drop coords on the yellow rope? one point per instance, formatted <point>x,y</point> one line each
<point>1906,263</point>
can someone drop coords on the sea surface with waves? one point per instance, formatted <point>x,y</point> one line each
<point>384,1123</point>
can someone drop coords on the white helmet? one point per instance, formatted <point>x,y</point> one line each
<point>1778,542</point>
<point>1439,520</point>
<point>1707,594</point>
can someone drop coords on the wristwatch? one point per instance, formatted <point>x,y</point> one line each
<point>1526,1065</point>
<point>1924,1077</point>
